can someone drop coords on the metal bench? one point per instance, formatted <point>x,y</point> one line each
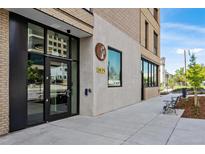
<point>170,105</point>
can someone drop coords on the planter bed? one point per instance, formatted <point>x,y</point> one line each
<point>190,111</point>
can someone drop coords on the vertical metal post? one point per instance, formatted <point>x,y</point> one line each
<point>185,66</point>
<point>184,90</point>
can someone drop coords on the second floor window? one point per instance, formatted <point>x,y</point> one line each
<point>155,43</point>
<point>146,34</point>
<point>156,14</point>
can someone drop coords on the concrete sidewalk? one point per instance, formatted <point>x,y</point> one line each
<point>141,123</point>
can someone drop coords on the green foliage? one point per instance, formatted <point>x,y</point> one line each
<point>192,60</point>
<point>195,75</point>
<point>171,82</point>
<point>33,73</point>
<point>179,76</point>
<point>161,88</point>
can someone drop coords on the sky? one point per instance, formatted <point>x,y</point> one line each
<point>182,29</point>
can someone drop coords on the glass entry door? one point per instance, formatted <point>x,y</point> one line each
<point>51,55</point>
<point>58,89</point>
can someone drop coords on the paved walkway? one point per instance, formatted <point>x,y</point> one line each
<point>141,123</point>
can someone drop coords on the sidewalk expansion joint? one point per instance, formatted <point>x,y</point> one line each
<point>140,128</point>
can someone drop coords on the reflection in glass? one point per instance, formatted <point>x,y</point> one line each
<point>58,44</point>
<point>145,72</point>
<point>155,75</point>
<point>35,88</point>
<point>58,87</point>
<point>74,88</point>
<point>35,38</point>
<point>114,68</point>
<point>150,74</point>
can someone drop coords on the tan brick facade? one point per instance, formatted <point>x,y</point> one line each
<point>147,15</point>
<point>4,71</point>
<point>79,18</point>
<point>127,20</point>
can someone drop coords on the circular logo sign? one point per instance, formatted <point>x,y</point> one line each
<point>100,51</point>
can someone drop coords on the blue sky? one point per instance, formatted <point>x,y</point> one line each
<point>182,29</point>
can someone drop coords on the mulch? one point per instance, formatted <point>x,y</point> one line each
<point>190,110</point>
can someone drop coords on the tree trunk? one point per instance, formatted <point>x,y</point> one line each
<point>196,103</point>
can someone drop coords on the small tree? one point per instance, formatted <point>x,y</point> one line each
<point>195,76</point>
<point>171,82</point>
<point>179,76</point>
<point>34,74</point>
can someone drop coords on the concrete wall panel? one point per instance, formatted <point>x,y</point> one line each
<point>107,99</point>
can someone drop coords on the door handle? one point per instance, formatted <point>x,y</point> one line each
<point>68,92</point>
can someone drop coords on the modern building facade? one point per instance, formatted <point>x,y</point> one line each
<point>57,63</point>
<point>150,52</point>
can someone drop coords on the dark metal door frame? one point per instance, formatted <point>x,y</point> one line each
<point>49,117</point>
<point>142,85</point>
<point>18,76</point>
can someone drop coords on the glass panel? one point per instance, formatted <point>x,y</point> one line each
<point>35,38</point>
<point>57,44</point>
<point>156,14</point>
<point>74,88</point>
<point>114,68</point>
<point>74,48</point>
<point>149,75</point>
<point>145,73</point>
<point>154,75</point>
<point>58,87</point>
<point>35,88</point>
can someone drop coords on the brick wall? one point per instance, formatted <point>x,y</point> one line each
<point>127,20</point>
<point>80,14</point>
<point>147,53</point>
<point>4,71</point>
<point>153,25</point>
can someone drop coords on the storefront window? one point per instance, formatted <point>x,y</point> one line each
<point>59,72</point>
<point>153,75</point>
<point>35,38</point>
<point>145,72</point>
<point>74,93</point>
<point>57,44</point>
<point>114,68</point>
<point>150,74</point>
<point>35,88</point>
